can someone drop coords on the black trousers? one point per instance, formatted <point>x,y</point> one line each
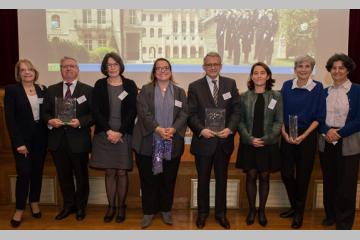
<point>69,164</point>
<point>29,171</point>
<point>204,164</point>
<point>157,191</point>
<point>296,169</point>
<point>340,174</point>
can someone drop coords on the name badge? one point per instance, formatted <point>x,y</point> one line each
<point>226,96</point>
<point>81,99</point>
<point>40,100</point>
<point>272,104</point>
<point>178,103</point>
<point>123,95</point>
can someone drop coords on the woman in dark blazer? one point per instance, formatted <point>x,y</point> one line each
<point>114,112</point>
<point>339,144</point>
<point>28,135</point>
<point>261,119</point>
<point>159,140</point>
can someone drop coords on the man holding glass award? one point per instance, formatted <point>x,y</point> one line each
<point>213,118</point>
<point>67,113</point>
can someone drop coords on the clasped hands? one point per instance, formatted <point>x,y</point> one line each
<point>332,135</point>
<point>56,123</point>
<point>114,137</point>
<point>165,133</point>
<point>207,133</point>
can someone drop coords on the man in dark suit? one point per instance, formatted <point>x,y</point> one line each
<point>70,143</point>
<point>209,147</point>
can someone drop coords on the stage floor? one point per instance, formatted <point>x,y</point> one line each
<point>183,220</point>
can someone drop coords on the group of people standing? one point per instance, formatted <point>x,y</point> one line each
<point>153,122</point>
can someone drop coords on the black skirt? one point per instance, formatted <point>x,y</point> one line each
<point>263,159</point>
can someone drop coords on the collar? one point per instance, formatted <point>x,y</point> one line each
<point>73,83</point>
<point>209,80</point>
<point>310,84</point>
<point>346,86</point>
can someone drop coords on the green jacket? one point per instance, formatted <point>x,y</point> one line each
<point>273,118</point>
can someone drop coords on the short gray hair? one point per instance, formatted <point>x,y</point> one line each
<point>306,58</point>
<point>67,58</point>
<point>212,54</point>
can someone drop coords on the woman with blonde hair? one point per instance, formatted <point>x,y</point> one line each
<point>23,103</point>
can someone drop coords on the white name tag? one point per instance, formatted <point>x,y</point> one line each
<point>227,95</point>
<point>123,95</point>
<point>81,99</point>
<point>178,103</point>
<point>272,104</point>
<point>40,100</point>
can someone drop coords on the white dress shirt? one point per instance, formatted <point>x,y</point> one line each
<point>337,105</point>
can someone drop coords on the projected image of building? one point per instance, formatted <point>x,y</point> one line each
<point>241,36</point>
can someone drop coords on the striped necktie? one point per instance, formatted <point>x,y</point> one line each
<point>68,91</point>
<point>215,92</point>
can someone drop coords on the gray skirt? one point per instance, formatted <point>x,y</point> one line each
<point>108,155</point>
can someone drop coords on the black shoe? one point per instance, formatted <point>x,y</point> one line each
<point>327,222</point>
<point>262,218</point>
<point>80,214</point>
<point>110,214</point>
<point>297,222</point>
<point>121,214</point>
<point>34,215</point>
<point>200,222</point>
<point>288,214</point>
<point>223,222</point>
<point>64,213</point>
<point>251,217</point>
<point>15,223</point>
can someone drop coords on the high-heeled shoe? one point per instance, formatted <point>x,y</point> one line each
<point>35,215</point>
<point>262,218</point>
<point>110,214</point>
<point>121,214</point>
<point>15,223</point>
<point>251,217</point>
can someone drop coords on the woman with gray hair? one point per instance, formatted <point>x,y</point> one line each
<point>304,105</point>
<point>339,144</point>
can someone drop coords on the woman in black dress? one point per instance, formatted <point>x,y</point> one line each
<point>28,135</point>
<point>260,125</point>
<point>114,112</point>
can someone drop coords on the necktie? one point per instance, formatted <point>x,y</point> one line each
<point>68,91</point>
<point>215,92</point>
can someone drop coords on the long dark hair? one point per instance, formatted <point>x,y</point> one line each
<point>269,83</point>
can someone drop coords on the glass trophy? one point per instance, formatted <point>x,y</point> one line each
<point>293,126</point>
<point>215,119</point>
<point>65,109</point>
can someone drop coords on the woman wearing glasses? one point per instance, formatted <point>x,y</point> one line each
<point>114,112</point>
<point>159,140</point>
<point>28,135</point>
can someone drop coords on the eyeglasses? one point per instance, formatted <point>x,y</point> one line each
<point>110,65</point>
<point>212,65</point>
<point>68,66</point>
<point>162,69</point>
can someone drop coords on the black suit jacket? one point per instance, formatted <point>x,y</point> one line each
<point>79,139</point>
<point>101,106</point>
<point>18,114</point>
<point>199,98</point>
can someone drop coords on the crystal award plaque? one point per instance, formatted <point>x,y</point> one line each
<point>293,126</point>
<point>215,119</point>
<point>65,109</point>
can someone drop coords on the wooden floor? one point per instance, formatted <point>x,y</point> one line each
<point>183,220</point>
